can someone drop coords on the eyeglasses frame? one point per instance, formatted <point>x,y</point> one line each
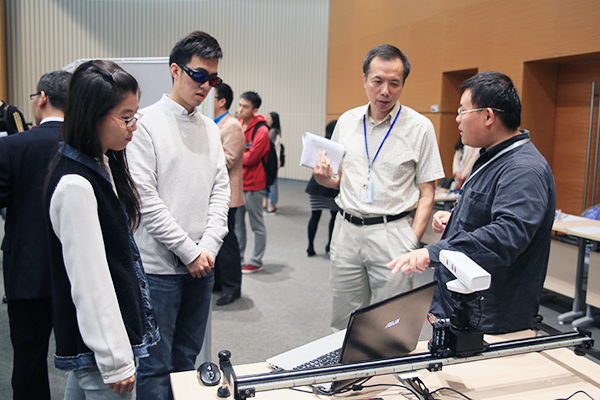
<point>461,111</point>
<point>129,122</point>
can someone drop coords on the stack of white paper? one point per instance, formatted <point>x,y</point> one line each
<point>311,151</point>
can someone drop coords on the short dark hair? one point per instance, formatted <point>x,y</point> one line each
<point>224,92</point>
<point>196,43</point>
<point>253,98</point>
<point>386,52</point>
<point>56,86</point>
<point>496,90</point>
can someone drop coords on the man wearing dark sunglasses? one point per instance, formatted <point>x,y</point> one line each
<point>201,76</point>
<point>178,164</point>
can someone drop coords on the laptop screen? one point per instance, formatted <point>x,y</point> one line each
<point>389,328</point>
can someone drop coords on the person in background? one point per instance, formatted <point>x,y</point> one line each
<point>11,120</point>
<point>102,314</point>
<point>256,136</point>
<point>321,198</point>
<point>503,220</point>
<point>462,164</point>
<point>271,192</point>
<point>228,268</point>
<point>24,160</point>
<point>178,164</point>
<point>387,186</point>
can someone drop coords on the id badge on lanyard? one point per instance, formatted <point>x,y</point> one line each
<point>366,192</point>
<point>367,187</point>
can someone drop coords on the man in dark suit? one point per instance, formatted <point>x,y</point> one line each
<point>24,158</point>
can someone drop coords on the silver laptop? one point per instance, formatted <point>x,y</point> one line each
<point>386,329</point>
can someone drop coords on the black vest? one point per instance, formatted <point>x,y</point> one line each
<point>119,253</point>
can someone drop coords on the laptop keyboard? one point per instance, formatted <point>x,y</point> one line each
<point>325,360</point>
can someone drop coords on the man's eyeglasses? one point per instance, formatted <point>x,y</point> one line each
<point>32,96</point>
<point>201,76</point>
<point>461,111</point>
<point>130,121</point>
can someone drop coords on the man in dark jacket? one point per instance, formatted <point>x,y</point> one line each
<point>504,217</point>
<point>24,158</point>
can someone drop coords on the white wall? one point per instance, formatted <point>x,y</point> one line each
<point>277,48</point>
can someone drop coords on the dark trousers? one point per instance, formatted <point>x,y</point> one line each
<point>313,224</point>
<point>228,268</point>
<point>30,324</point>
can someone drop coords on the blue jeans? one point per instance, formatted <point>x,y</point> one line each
<point>271,192</point>
<point>87,384</point>
<point>181,306</point>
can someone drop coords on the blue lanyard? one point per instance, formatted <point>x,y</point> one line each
<point>218,119</point>
<point>370,163</point>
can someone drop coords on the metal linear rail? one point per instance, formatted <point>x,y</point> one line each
<point>246,386</point>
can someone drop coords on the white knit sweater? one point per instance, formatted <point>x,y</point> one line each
<point>177,162</point>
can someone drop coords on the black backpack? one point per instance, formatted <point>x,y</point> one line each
<point>11,119</point>
<point>271,164</point>
<point>281,155</point>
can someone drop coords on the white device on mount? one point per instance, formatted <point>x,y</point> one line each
<point>471,277</point>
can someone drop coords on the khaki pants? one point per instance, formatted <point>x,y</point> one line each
<point>359,254</point>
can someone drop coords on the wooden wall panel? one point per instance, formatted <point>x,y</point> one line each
<point>538,94</point>
<point>501,35</point>
<point>423,82</point>
<point>482,34</point>
<point>345,85</point>
<point>465,44</point>
<point>577,26</point>
<point>447,135</point>
<point>571,133</point>
<point>524,29</point>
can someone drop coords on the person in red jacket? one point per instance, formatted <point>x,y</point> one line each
<point>256,133</point>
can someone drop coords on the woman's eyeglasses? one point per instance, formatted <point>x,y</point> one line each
<point>130,121</point>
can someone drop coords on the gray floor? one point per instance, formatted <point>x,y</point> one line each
<point>285,305</point>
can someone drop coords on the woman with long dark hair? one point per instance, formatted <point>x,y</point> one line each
<point>271,192</point>
<point>102,314</point>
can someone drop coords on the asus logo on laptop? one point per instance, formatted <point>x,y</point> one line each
<point>392,323</point>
